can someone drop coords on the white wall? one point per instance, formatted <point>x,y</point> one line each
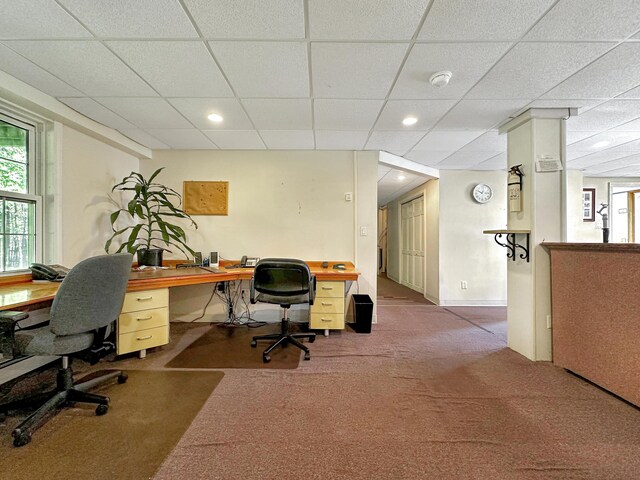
<point>88,169</point>
<point>281,203</point>
<point>466,254</point>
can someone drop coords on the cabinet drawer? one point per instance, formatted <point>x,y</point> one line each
<point>328,305</point>
<point>146,299</point>
<point>330,289</point>
<point>323,321</point>
<point>151,337</point>
<point>143,319</point>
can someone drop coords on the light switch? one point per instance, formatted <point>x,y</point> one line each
<point>348,196</point>
<point>363,231</point>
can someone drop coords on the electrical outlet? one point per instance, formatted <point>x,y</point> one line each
<point>463,284</point>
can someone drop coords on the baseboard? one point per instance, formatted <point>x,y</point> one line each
<point>473,303</point>
<point>434,300</point>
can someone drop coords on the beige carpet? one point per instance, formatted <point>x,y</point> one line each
<point>230,347</point>
<point>147,417</point>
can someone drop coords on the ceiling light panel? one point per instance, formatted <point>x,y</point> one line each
<point>38,19</point>
<point>265,69</point>
<point>615,72</point>
<point>175,69</point>
<point>137,19</point>
<point>364,19</point>
<point>248,19</point>
<point>183,139</point>
<point>355,70</point>
<point>497,20</point>
<point>288,139</point>
<point>92,109</point>
<point>100,73</point>
<point>468,62</point>
<point>354,115</point>
<point>340,140</point>
<point>196,110</point>
<point>28,72</point>
<point>236,139</point>
<point>145,112</point>
<point>428,112</point>
<point>279,113</point>
<point>530,69</point>
<point>588,20</point>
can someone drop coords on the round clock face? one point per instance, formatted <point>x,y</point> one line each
<point>482,193</point>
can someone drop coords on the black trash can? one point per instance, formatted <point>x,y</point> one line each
<point>362,313</point>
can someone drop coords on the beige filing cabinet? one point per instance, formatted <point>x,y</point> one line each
<point>327,311</point>
<point>144,321</point>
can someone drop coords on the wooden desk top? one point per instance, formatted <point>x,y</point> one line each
<point>24,293</point>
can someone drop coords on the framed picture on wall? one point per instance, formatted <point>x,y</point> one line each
<point>588,204</point>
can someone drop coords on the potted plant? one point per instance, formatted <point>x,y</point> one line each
<point>152,208</point>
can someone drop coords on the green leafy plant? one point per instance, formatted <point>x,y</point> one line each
<point>151,208</point>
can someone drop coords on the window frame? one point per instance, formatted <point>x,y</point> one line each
<point>34,140</point>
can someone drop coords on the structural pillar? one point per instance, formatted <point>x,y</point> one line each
<point>537,135</point>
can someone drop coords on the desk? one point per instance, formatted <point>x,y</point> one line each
<point>27,295</point>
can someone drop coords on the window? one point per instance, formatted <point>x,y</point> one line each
<point>19,207</point>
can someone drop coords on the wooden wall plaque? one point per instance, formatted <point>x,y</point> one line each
<point>206,198</point>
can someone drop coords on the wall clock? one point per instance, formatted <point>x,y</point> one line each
<point>482,193</point>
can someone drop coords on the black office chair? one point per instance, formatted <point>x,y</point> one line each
<point>285,282</point>
<point>88,301</point>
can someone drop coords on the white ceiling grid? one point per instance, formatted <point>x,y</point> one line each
<point>339,74</point>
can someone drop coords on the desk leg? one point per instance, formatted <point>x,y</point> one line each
<point>326,332</point>
<point>142,353</point>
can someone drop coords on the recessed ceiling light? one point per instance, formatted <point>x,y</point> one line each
<point>401,177</point>
<point>409,121</point>
<point>215,118</point>
<point>601,143</point>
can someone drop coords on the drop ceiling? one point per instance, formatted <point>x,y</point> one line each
<point>340,74</point>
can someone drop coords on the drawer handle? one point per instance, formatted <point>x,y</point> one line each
<point>143,299</point>
<point>327,288</point>
<point>326,319</point>
<point>145,318</point>
<point>326,304</point>
<point>145,338</point>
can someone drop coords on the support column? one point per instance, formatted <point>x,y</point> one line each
<point>537,134</point>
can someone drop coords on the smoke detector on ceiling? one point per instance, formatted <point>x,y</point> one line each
<point>440,79</point>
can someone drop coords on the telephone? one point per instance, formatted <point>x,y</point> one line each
<point>248,261</point>
<point>52,273</point>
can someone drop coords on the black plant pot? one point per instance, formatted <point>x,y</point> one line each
<point>151,257</point>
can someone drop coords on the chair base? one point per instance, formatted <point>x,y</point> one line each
<point>284,338</point>
<point>66,393</point>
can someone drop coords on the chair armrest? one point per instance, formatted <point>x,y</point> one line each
<point>8,322</point>
<point>252,292</point>
<point>312,289</point>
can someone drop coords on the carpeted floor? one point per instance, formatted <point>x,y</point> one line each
<point>392,293</point>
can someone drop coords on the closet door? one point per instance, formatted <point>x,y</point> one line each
<point>412,232</point>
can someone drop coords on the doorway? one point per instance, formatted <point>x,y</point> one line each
<point>412,240</point>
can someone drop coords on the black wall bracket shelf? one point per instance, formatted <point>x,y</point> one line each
<point>511,244</point>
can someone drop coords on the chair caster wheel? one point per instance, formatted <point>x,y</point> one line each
<point>122,378</point>
<point>312,339</point>
<point>307,356</point>
<point>266,358</point>
<point>102,409</point>
<point>254,343</point>
<point>21,439</point>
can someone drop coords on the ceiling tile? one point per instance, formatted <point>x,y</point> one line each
<point>626,161</point>
<point>23,69</point>
<point>180,139</point>
<point>600,157</point>
<point>143,138</point>
<point>138,19</point>
<point>265,69</point>
<point>633,93</point>
<point>495,20</point>
<point>279,113</point>
<point>397,143</point>
<point>92,109</point>
<point>429,158</point>
<point>196,111</point>
<point>490,141</point>
<point>582,104</point>
<point>355,115</point>
<point>428,112</point>
<point>465,159</point>
<point>479,114</point>
<point>38,19</point>
<point>630,126</point>
<point>364,19</point>
<point>99,73</point>
<point>530,69</point>
<point>340,140</point>
<point>249,19</point>
<point>608,139</point>
<point>615,72</point>
<point>573,136</point>
<point>468,62</point>
<point>605,116</point>
<point>175,69</point>
<point>145,112</point>
<point>447,141</point>
<point>382,171</point>
<point>355,70</point>
<point>288,139</point>
<point>498,162</point>
<point>588,20</point>
<point>236,139</point>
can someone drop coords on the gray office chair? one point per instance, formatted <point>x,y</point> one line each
<point>87,303</point>
<point>285,282</point>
